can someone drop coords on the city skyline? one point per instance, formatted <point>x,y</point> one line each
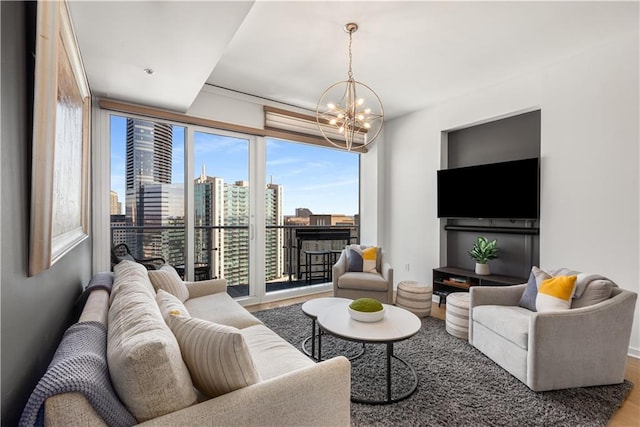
<point>322,180</point>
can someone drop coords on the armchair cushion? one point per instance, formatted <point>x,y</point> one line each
<point>167,278</point>
<point>556,293</point>
<point>362,259</point>
<point>365,281</point>
<point>217,356</point>
<point>509,322</point>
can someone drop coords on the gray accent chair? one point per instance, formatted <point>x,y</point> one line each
<point>578,347</point>
<point>353,285</point>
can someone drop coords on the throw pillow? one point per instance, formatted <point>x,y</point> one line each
<point>362,258</point>
<point>170,304</point>
<point>595,292</point>
<point>528,299</point>
<point>217,356</point>
<point>143,354</point>
<point>167,278</point>
<point>556,293</point>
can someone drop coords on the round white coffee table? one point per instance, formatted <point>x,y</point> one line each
<point>398,324</point>
<point>311,309</point>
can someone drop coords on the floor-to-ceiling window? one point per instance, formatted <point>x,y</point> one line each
<point>219,204</point>
<point>147,188</point>
<point>311,205</point>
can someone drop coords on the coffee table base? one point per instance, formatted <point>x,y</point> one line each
<point>312,338</point>
<point>389,398</point>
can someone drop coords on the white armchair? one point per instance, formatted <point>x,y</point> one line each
<point>578,347</point>
<point>355,284</point>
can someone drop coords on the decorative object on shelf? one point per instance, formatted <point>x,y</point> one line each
<point>482,251</point>
<point>349,113</point>
<point>366,310</point>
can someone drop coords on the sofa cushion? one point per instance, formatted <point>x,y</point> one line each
<point>595,292</point>
<point>143,353</point>
<point>169,304</point>
<point>556,293</point>
<point>509,322</point>
<point>272,355</point>
<point>222,309</point>
<point>127,274</point>
<point>368,281</point>
<point>167,278</point>
<point>216,355</point>
<point>362,259</point>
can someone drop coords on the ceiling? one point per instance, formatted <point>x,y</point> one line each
<point>413,54</point>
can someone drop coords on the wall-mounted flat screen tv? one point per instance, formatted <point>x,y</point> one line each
<point>505,190</point>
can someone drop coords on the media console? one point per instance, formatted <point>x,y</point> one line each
<point>454,279</point>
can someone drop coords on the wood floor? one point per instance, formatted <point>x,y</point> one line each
<point>627,416</point>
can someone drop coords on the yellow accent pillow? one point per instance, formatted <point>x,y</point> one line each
<point>556,293</point>
<point>369,259</point>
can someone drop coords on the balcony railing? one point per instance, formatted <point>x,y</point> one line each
<point>295,255</point>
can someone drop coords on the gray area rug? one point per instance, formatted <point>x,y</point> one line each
<point>458,385</point>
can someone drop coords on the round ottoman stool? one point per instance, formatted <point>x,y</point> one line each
<point>415,297</point>
<point>457,314</point>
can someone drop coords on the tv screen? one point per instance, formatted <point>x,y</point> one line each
<point>505,190</point>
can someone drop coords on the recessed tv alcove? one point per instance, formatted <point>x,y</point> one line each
<point>490,185</point>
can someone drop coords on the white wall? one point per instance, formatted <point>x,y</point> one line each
<point>590,167</point>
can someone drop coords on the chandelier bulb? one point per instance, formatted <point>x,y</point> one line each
<point>360,101</point>
<point>367,125</point>
<point>331,106</point>
<point>333,121</point>
<point>367,110</point>
<point>360,117</point>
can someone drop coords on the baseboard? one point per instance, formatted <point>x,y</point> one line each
<point>634,352</point>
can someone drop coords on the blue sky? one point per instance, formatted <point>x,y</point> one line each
<point>322,180</point>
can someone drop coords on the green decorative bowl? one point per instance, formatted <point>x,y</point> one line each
<point>366,310</point>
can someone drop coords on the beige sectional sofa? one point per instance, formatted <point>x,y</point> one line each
<point>154,367</point>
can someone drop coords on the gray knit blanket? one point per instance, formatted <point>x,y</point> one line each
<point>79,365</point>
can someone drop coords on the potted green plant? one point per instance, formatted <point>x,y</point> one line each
<point>482,251</point>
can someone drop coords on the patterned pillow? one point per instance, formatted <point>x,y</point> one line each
<point>217,356</point>
<point>528,299</point>
<point>556,293</point>
<point>170,304</point>
<point>167,278</point>
<point>362,258</point>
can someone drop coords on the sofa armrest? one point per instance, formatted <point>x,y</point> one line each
<point>206,287</point>
<point>387,274</point>
<point>581,346</point>
<point>317,395</point>
<point>70,409</point>
<point>495,295</point>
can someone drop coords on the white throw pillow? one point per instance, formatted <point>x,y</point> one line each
<point>217,356</point>
<point>169,304</point>
<point>144,358</point>
<point>167,278</point>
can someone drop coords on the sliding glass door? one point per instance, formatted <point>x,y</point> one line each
<point>222,206</point>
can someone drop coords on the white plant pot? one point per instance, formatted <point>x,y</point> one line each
<point>482,269</point>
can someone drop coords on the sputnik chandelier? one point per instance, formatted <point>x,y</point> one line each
<point>349,113</point>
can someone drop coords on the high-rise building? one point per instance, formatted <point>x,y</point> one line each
<point>150,197</point>
<point>115,207</point>
<point>274,244</point>
<point>220,207</point>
